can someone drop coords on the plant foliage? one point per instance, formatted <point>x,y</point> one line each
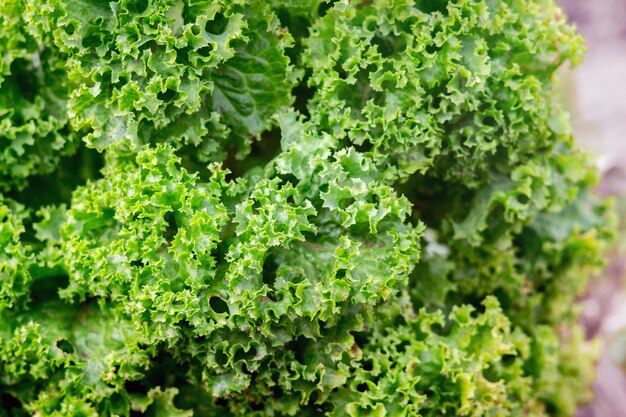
<point>265,208</point>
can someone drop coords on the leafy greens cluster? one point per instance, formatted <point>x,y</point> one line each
<point>260,208</point>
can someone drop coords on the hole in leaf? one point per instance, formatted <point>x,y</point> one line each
<point>219,252</point>
<point>508,360</point>
<point>370,24</point>
<point>152,45</point>
<point>431,394</point>
<point>385,48</point>
<point>221,358</point>
<point>490,374</point>
<point>242,355</point>
<point>364,146</point>
<point>522,198</point>
<point>341,73</point>
<point>91,41</point>
<point>236,43</point>
<point>65,346</point>
<point>287,179</point>
<point>171,229</point>
<point>360,338</point>
<point>298,26</point>
<point>401,347</point>
<point>167,95</point>
<point>431,48</point>
<point>218,25</point>
<point>303,93</point>
<point>503,298</point>
<point>70,28</point>
<point>324,7</point>
<point>437,328</point>
<point>399,321</point>
<point>489,121</point>
<point>362,387</point>
<point>436,102</point>
<point>270,267</point>
<point>137,263</point>
<point>218,305</point>
<point>205,51</point>
<point>299,347</point>
<point>135,387</point>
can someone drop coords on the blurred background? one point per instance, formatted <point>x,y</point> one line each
<point>596,94</point>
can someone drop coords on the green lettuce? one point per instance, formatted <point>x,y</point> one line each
<point>264,208</point>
